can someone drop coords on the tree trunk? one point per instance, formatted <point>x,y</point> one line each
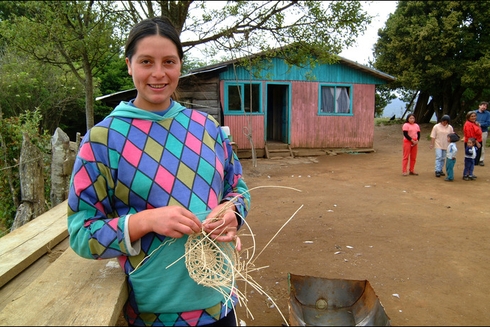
<point>421,108</point>
<point>456,111</point>
<point>31,184</point>
<point>89,94</point>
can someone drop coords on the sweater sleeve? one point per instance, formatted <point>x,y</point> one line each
<point>235,188</point>
<point>95,232</point>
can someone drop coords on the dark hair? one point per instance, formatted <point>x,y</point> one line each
<point>446,118</point>
<point>453,137</point>
<point>152,26</point>
<point>472,139</point>
<point>483,102</point>
<point>408,117</point>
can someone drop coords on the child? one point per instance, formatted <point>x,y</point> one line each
<point>451,151</point>
<point>469,159</point>
<point>411,137</point>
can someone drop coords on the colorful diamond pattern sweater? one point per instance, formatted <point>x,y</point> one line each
<point>135,160</point>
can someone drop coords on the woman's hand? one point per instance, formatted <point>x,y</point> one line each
<point>221,223</point>
<point>172,221</point>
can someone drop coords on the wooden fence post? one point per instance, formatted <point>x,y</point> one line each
<point>31,183</point>
<point>61,166</point>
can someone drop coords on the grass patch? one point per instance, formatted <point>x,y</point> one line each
<point>387,121</point>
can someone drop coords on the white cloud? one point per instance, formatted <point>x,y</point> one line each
<point>363,50</point>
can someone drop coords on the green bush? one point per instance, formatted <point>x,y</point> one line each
<point>11,131</point>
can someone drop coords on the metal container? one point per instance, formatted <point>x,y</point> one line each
<point>316,301</point>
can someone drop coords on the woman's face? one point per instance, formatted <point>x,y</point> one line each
<point>411,120</point>
<point>155,68</point>
<point>472,118</point>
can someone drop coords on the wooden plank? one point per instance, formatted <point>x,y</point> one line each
<point>72,291</point>
<point>10,290</point>
<point>26,244</point>
<point>200,95</point>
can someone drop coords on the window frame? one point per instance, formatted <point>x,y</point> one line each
<point>242,86</point>
<point>335,87</point>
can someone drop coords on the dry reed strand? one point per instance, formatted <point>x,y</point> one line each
<point>218,264</point>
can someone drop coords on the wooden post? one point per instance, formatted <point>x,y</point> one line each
<point>31,183</point>
<point>61,166</point>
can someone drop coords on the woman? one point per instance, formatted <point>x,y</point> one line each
<point>472,129</point>
<point>148,176</point>
<point>411,137</point>
<point>439,141</point>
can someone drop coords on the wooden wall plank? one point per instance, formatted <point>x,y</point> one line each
<point>241,126</point>
<point>310,130</point>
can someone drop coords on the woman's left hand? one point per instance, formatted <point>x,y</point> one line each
<point>221,223</point>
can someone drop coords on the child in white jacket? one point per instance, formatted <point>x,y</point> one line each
<point>451,151</point>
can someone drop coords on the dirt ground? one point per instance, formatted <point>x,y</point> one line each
<point>421,242</point>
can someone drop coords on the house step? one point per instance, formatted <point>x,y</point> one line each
<point>279,149</point>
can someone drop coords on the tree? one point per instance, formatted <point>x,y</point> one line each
<point>27,84</point>
<point>439,49</point>
<point>78,36</point>
<point>242,28</point>
<point>383,98</point>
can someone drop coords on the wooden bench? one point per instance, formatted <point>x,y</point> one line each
<point>37,289</point>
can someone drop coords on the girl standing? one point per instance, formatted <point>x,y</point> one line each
<point>469,159</point>
<point>148,176</point>
<point>411,137</point>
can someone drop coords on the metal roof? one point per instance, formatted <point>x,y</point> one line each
<point>114,98</point>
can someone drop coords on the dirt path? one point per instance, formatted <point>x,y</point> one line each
<point>416,236</point>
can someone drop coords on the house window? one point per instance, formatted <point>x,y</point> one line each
<point>238,98</point>
<point>335,99</point>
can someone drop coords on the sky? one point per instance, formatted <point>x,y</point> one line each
<point>363,50</point>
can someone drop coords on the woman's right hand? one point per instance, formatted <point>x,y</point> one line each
<point>172,221</point>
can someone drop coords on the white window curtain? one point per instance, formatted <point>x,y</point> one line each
<point>343,100</point>
<point>328,104</point>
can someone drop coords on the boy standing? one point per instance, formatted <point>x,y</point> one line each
<point>451,156</point>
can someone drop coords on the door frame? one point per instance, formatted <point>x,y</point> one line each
<point>273,114</point>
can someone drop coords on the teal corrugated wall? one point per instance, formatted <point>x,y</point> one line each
<point>277,70</point>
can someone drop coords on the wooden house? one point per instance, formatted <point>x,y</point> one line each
<point>328,106</point>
